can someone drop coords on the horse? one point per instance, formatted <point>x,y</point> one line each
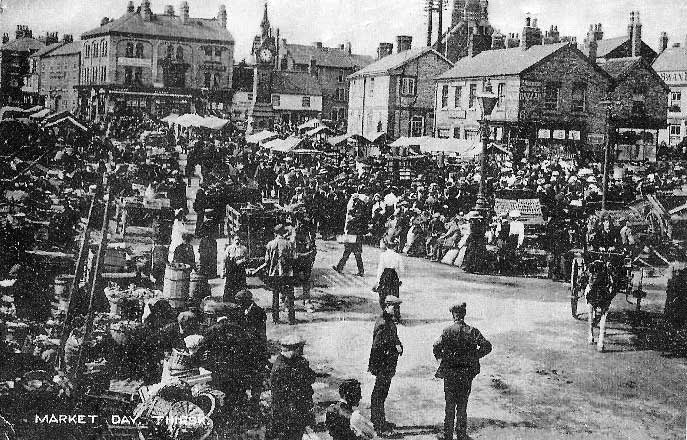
<point>599,293</point>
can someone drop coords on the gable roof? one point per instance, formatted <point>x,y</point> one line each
<point>68,49</point>
<point>295,83</point>
<point>501,62</point>
<point>327,56</point>
<point>671,59</point>
<point>25,44</point>
<point>46,49</point>
<point>618,68</point>
<point>396,60</point>
<point>606,46</point>
<point>164,26</point>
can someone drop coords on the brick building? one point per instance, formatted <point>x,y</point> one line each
<point>549,98</point>
<point>395,95</point>
<point>470,31</point>
<point>158,63</point>
<point>14,64</point>
<point>629,45</point>
<point>671,65</point>
<point>55,74</point>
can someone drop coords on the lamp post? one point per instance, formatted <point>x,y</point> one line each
<point>607,149</point>
<point>476,249</point>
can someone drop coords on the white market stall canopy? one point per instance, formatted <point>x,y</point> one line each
<point>313,123</point>
<point>190,120</point>
<point>283,145</point>
<point>194,120</point>
<point>35,109</point>
<point>262,136</point>
<point>318,130</point>
<point>215,123</point>
<point>11,110</point>
<point>40,114</point>
<point>170,118</point>
<point>409,141</point>
<point>377,136</point>
<point>63,117</point>
<point>343,139</point>
<point>460,147</point>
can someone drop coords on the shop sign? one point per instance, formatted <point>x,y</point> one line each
<point>574,135</point>
<point>596,138</point>
<point>543,133</point>
<point>674,77</point>
<point>530,90</point>
<point>215,67</point>
<point>457,114</point>
<point>559,134</point>
<point>134,62</point>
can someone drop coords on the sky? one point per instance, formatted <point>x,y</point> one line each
<point>363,22</point>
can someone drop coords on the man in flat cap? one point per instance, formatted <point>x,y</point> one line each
<point>255,324</point>
<point>384,354</point>
<point>291,382</point>
<point>459,349</point>
<point>279,259</point>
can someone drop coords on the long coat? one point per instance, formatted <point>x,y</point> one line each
<point>384,354</point>
<point>291,381</point>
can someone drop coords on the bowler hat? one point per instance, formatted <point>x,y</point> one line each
<point>458,308</point>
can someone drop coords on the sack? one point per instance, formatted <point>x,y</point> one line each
<point>347,238</point>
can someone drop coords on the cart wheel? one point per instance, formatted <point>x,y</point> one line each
<point>574,287</point>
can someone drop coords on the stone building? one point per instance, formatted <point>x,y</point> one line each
<point>470,31</point>
<point>59,77</point>
<point>549,99</point>
<point>671,65</point>
<point>14,65</point>
<point>629,45</point>
<point>158,63</point>
<point>395,95</point>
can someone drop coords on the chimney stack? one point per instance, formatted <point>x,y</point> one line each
<point>184,12</point>
<point>513,40</point>
<point>637,36</point>
<point>222,16</point>
<point>592,50</point>
<point>676,45</point>
<point>317,44</point>
<point>498,40</point>
<point>312,67</point>
<point>104,21</point>
<point>403,43</point>
<point>169,10</point>
<point>67,38</point>
<point>631,25</point>
<point>598,32</point>
<point>130,7</point>
<point>5,38</point>
<point>348,48</point>
<point>531,34</point>
<point>663,42</point>
<point>146,13</point>
<point>51,38</point>
<point>384,49</point>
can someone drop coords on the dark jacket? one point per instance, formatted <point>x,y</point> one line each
<point>291,381</point>
<point>383,354</point>
<point>225,350</point>
<point>459,349</point>
<point>338,421</point>
<point>185,254</point>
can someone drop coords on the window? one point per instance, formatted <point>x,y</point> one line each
<point>208,80</point>
<point>128,75</point>
<point>335,115</point>
<point>579,98</point>
<point>408,86</point>
<point>340,95</point>
<point>139,50</point>
<point>276,100</point>
<point>250,97</point>
<point>208,52</point>
<point>342,114</point>
<point>306,101</point>
<point>129,51</point>
<point>170,51</point>
<point>341,77</point>
<point>472,135</point>
<point>138,77</point>
<point>103,50</point>
<point>95,50</point>
<point>675,130</point>
<point>675,102</point>
<point>218,52</point>
<point>216,82</point>
<point>551,95</point>
<point>417,126</point>
<point>444,96</point>
<point>380,127</point>
<point>501,93</point>
<point>456,132</point>
<point>180,54</point>
<point>372,86</point>
<point>473,95</point>
<point>87,52</point>
<point>638,107</point>
<point>103,74</point>
<point>444,133</point>
<point>458,97</point>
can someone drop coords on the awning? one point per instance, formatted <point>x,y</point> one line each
<point>69,119</point>
<point>10,109</point>
<point>305,151</point>
<point>338,140</point>
<point>283,145</point>
<point>35,109</point>
<point>40,114</point>
<point>310,124</point>
<point>498,149</point>
<point>377,136</point>
<point>409,141</point>
<point>318,130</point>
<point>190,120</point>
<point>261,136</point>
<point>460,147</point>
<point>172,117</point>
<point>215,123</point>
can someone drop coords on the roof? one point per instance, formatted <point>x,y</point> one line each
<point>606,46</point>
<point>617,67</point>
<point>164,26</point>
<point>671,59</point>
<point>327,56</point>
<point>295,83</point>
<point>25,44</point>
<point>46,49</point>
<point>501,62</point>
<point>396,60</point>
<point>68,49</point>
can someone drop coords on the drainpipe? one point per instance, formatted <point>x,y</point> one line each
<point>362,115</point>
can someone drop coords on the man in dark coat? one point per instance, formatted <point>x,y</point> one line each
<point>279,258</point>
<point>291,381</point>
<point>338,418</point>
<point>356,224</point>
<point>459,350</point>
<point>199,204</point>
<point>386,348</point>
<point>184,253</point>
<point>255,323</point>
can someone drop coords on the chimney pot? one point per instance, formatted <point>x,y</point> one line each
<point>534,22</point>
<point>184,12</point>
<point>348,47</point>
<point>222,16</point>
<point>528,21</point>
<point>403,43</point>
<point>384,49</point>
<point>130,7</point>
<point>317,44</point>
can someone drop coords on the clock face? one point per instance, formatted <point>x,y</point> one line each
<point>265,55</point>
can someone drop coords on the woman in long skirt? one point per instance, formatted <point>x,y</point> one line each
<point>235,259</point>
<point>388,270</point>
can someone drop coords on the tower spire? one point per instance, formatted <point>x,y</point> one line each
<point>265,24</point>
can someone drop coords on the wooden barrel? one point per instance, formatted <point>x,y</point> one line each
<point>115,261</point>
<point>175,289</point>
<point>198,287</point>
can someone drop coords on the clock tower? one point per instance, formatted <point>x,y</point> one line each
<point>261,113</point>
